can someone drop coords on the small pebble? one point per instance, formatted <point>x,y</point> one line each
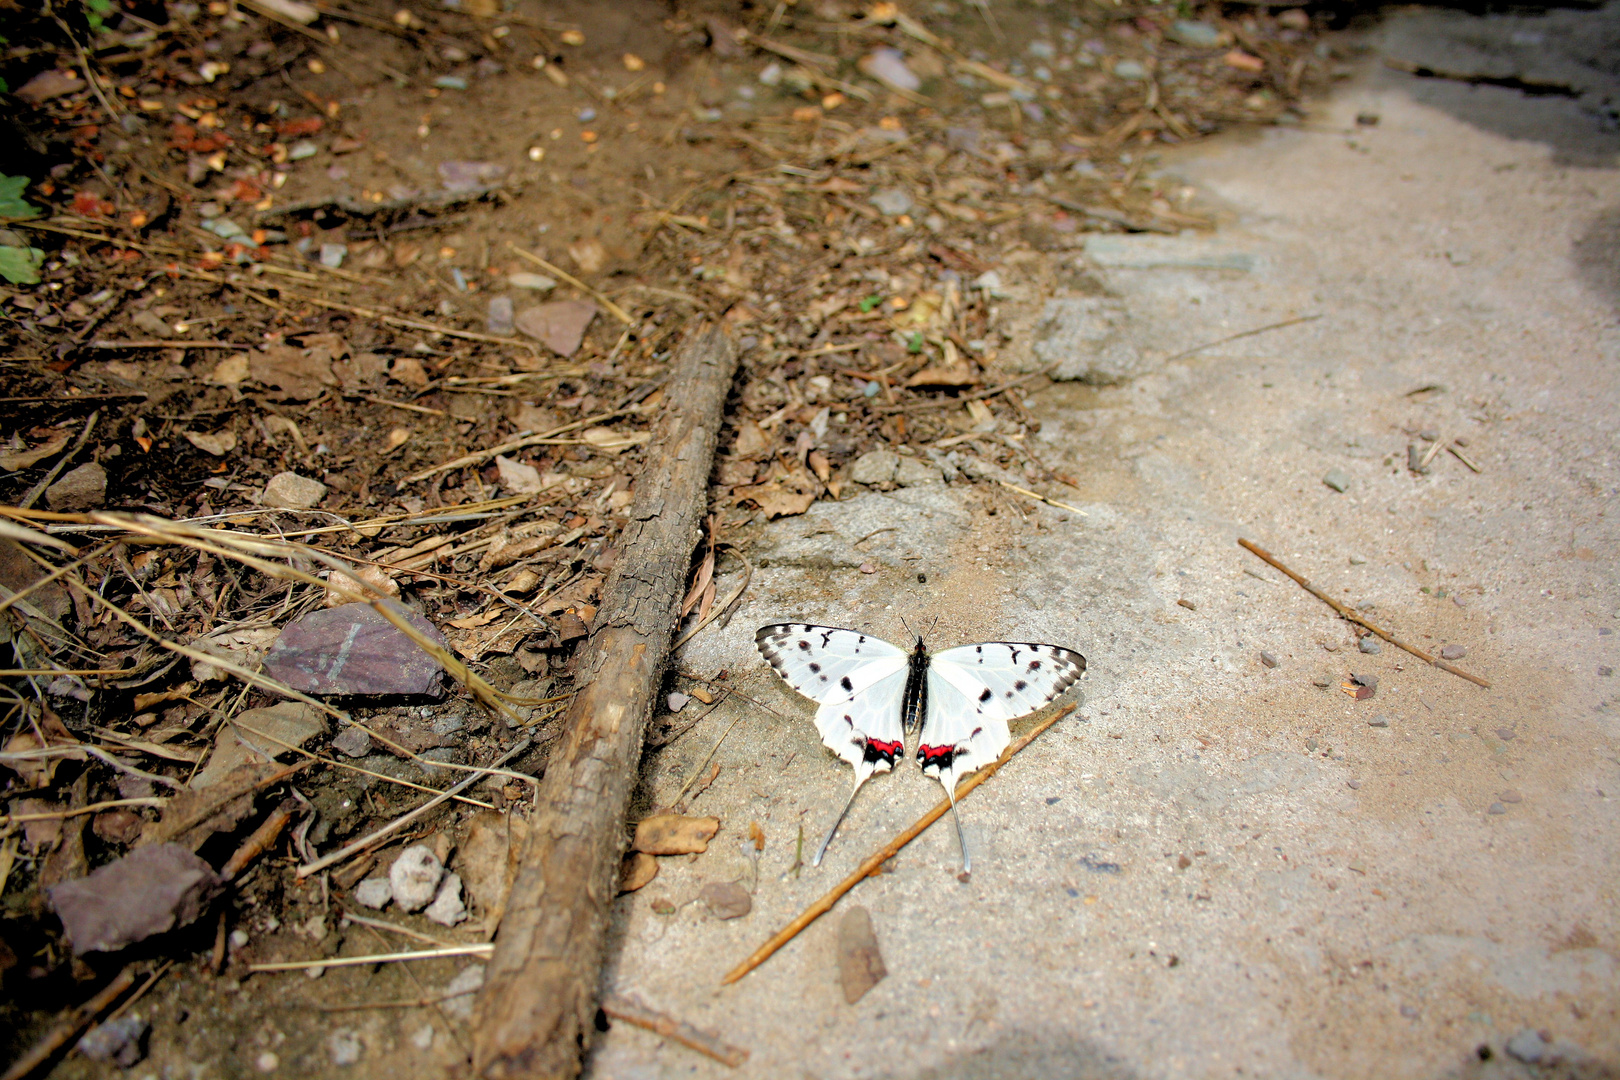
<point>1338,480</point>
<point>1605,670</point>
<point>677,701</point>
<point>1453,652</point>
<point>374,893</point>
<point>344,1046</point>
<point>1496,808</point>
<point>1505,733</point>
<point>1511,796</point>
<point>1604,631</point>
<point>1353,785</point>
<point>1322,681</point>
<point>1268,659</point>
<point>869,568</point>
<point>1528,1046</point>
<point>415,877</point>
<point>447,908</point>
<point>1357,560</point>
<point>1409,1011</point>
<point>353,742</point>
<point>1378,721</point>
<point>500,320</point>
<point>267,1062</point>
<point>422,1039</point>
<point>1370,645</point>
<point>238,938</point>
<point>1311,743</point>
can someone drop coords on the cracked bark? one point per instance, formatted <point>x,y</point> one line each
<point>536,1014</point>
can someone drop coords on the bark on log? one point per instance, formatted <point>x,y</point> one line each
<point>536,1014</point>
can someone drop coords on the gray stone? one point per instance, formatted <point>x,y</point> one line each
<point>85,488</point>
<point>500,317</point>
<point>1084,338</point>
<point>893,201</point>
<point>1268,659</point>
<point>353,742</point>
<point>447,908</point>
<point>1527,1044</point>
<point>415,877</point>
<point>1370,645</point>
<point>344,1047</point>
<point>726,899</point>
<point>121,1040</point>
<point>1378,721</point>
<point>1338,480</point>
<point>1453,652</point>
<point>912,472</point>
<point>290,491</point>
<point>374,893</point>
<point>457,1002</point>
<point>153,324</point>
<point>1497,808</point>
<point>876,467</point>
<point>1130,69</point>
<point>1199,35</point>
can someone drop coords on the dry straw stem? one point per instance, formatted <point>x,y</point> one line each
<point>376,958</point>
<point>874,863</point>
<point>1349,614</point>
<point>64,1032</point>
<point>613,309</point>
<point>519,443</point>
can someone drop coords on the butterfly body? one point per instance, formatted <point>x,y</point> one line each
<point>872,694</point>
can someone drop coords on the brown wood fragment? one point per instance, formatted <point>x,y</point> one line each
<point>860,963</point>
<point>536,1013</point>
<point>674,834</point>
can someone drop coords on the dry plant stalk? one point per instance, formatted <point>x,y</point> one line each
<point>634,1012</point>
<point>1349,614</point>
<point>874,863</point>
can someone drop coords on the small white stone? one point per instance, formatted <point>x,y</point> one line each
<point>447,908</point>
<point>415,877</point>
<point>267,1062</point>
<point>677,701</point>
<point>422,1037</point>
<point>239,938</point>
<point>344,1046</point>
<point>290,491</point>
<point>374,893</point>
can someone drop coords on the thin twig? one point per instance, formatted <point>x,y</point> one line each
<point>70,1026</point>
<point>405,819</point>
<point>1038,497</point>
<point>871,865</point>
<point>1244,334</point>
<point>518,443</point>
<point>39,489</point>
<point>613,309</point>
<point>374,958</point>
<point>1349,614</point>
<point>634,1012</point>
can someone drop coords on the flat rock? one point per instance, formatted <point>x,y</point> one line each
<point>84,488</point>
<point>290,722</point>
<point>447,908</point>
<point>289,491</point>
<point>1139,252</point>
<point>927,520</point>
<point>674,834</point>
<point>876,467</point>
<point>150,891</point>
<point>351,649</point>
<point>726,899</point>
<point>860,963</point>
<point>1084,337</point>
<point>558,325</point>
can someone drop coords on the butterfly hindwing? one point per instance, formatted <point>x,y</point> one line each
<point>975,689</point>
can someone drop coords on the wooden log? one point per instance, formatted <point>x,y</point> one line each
<point>536,1014</point>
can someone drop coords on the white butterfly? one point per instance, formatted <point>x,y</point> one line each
<point>871,694</point>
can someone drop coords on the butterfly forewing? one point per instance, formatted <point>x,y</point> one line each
<point>859,681</point>
<point>1007,679</point>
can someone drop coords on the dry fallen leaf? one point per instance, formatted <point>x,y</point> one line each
<point>230,371</point>
<point>787,497</point>
<point>613,442</point>
<point>751,440</point>
<point>757,835</point>
<point>409,371</point>
<point>20,458</point>
<point>588,254</point>
<point>299,374</point>
<point>675,834</point>
<point>396,438</point>
<point>860,964</point>
<point>637,870</point>
<point>218,443</point>
<point>958,374</point>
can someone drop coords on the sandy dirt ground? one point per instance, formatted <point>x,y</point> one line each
<point>1217,867</point>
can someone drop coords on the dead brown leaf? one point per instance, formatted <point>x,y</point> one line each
<point>637,870</point>
<point>675,834</point>
<point>298,374</point>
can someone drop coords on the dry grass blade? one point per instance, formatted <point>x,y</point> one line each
<point>376,958</point>
<point>613,309</point>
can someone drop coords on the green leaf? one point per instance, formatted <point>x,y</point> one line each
<point>871,302</point>
<point>100,7</point>
<point>914,343</point>
<point>20,266</point>
<point>12,204</point>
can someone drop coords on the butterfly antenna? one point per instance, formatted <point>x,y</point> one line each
<point>822,850</point>
<point>961,838</point>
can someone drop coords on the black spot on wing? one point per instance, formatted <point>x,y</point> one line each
<point>987,695</point>
<point>805,645</point>
<point>815,666</point>
<point>846,684</point>
<point>1020,684</point>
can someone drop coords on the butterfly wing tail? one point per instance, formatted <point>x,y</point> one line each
<point>863,772</point>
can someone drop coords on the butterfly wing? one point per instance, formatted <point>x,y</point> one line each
<point>975,689</point>
<point>858,681</point>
